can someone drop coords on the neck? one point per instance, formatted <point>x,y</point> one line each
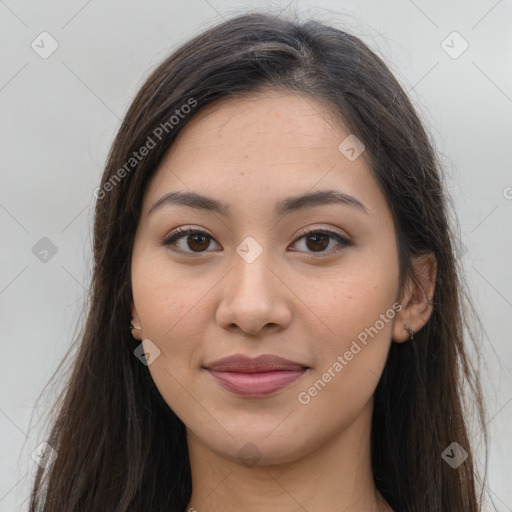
<point>334,476</point>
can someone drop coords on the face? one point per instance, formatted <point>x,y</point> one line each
<point>312,281</point>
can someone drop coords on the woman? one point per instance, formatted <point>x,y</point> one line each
<point>276,318</point>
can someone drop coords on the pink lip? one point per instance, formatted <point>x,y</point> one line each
<point>261,376</point>
<point>256,384</point>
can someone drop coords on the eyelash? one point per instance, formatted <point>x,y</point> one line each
<point>181,232</point>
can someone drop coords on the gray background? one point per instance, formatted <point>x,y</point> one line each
<point>59,117</point>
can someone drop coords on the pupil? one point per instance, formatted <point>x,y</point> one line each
<point>325,238</point>
<point>316,245</point>
<point>194,239</point>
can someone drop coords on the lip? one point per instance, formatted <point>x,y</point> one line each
<point>255,377</point>
<point>263,363</point>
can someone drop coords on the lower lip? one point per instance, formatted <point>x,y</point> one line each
<point>256,384</point>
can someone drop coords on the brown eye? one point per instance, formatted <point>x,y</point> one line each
<point>317,241</point>
<point>195,240</point>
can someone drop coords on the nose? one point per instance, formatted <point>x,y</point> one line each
<point>254,298</point>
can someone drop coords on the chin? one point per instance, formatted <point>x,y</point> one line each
<point>259,448</point>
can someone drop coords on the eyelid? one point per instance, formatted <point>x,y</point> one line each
<point>181,231</point>
<point>328,230</point>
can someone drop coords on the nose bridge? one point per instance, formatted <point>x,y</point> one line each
<point>252,298</point>
<point>251,275</point>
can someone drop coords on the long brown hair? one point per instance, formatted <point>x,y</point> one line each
<point>120,446</point>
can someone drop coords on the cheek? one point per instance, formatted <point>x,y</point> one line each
<point>164,293</point>
<point>171,307</point>
<point>353,302</point>
<point>358,311</point>
<point>170,304</point>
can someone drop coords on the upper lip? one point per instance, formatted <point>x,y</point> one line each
<point>244,364</point>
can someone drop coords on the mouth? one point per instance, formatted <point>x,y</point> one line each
<point>261,376</point>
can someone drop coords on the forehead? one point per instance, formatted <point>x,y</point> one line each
<point>268,144</point>
<point>298,119</point>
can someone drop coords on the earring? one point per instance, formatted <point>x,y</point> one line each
<point>411,334</point>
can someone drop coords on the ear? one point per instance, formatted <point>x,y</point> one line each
<point>137,331</point>
<point>417,298</point>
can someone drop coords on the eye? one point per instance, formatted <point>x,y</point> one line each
<point>319,239</point>
<point>198,241</point>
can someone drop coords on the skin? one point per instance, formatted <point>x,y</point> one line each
<point>298,299</point>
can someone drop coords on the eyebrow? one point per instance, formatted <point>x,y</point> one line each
<point>284,206</point>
